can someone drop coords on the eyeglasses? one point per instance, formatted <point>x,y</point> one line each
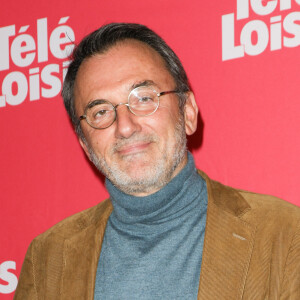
<point>142,101</point>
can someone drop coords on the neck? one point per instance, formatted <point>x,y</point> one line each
<point>174,198</point>
<point>128,207</point>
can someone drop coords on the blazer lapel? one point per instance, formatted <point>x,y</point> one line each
<point>80,260</point>
<point>226,255</point>
<point>228,244</point>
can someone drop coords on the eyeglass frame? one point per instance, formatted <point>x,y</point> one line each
<point>84,116</point>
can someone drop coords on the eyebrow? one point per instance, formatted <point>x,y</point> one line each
<point>95,102</point>
<point>142,83</point>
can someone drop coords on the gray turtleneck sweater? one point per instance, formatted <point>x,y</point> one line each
<point>152,247</point>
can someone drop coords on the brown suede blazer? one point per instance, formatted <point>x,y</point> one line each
<point>251,251</point>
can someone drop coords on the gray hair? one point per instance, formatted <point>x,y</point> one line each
<point>102,40</point>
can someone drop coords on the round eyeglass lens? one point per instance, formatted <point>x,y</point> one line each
<point>101,115</point>
<point>143,101</point>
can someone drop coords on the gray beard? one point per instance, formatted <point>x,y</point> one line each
<point>160,174</point>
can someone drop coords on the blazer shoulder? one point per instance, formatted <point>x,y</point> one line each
<point>253,207</point>
<point>74,224</point>
<point>271,204</point>
<point>276,216</point>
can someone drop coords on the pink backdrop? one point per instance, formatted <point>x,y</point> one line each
<point>243,64</point>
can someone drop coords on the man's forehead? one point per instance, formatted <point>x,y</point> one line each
<point>127,50</point>
<point>122,61</point>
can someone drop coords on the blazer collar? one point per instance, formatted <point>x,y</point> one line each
<point>227,248</point>
<point>81,255</point>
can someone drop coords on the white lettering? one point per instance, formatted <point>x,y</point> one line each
<point>51,80</point>
<point>285,4</point>
<point>2,101</point>
<point>26,49</point>
<point>20,80</point>
<point>5,33</point>
<point>275,33</point>
<point>62,36</point>
<point>261,9</point>
<point>8,277</point>
<point>42,40</point>
<point>290,26</point>
<point>242,9</point>
<point>262,37</point>
<point>229,50</point>
<point>255,35</point>
<point>20,45</point>
<point>34,84</point>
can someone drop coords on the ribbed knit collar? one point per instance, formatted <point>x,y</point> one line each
<point>173,200</point>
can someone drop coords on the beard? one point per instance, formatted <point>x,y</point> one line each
<point>155,174</point>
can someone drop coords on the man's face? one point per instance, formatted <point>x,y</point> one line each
<point>138,154</point>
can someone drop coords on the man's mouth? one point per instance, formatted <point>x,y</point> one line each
<point>136,144</point>
<point>133,148</point>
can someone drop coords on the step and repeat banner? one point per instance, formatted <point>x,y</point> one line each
<point>243,61</point>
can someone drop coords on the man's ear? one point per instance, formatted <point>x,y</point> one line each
<point>190,114</point>
<point>84,147</point>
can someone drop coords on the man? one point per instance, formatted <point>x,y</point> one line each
<point>167,231</point>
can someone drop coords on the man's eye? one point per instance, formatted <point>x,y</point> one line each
<point>100,113</point>
<point>145,99</point>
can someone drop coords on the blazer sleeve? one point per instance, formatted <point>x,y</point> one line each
<point>291,280</point>
<point>26,289</point>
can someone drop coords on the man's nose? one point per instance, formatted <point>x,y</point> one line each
<point>126,122</point>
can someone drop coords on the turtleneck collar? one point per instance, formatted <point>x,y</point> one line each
<point>171,200</point>
<point>155,242</point>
